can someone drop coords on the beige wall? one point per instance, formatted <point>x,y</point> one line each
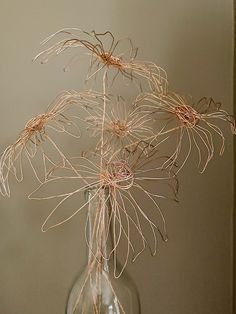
<point>192,40</point>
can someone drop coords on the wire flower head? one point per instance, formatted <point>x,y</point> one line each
<point>31,141</point>
<point>122,125</point>
<point>179,116</point>
<point>123,177</point>
<point>105,53</point>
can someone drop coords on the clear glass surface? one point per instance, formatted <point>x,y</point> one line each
<point>96,290</point>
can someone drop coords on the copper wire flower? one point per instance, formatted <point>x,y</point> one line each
<point>122,125</point>
<point>124,177</point>
<point>194,124</point>
<point>31,141</point>
<point>129,167</point>
<point>104,54</point>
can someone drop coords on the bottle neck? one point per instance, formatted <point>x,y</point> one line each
<point>98,228</point>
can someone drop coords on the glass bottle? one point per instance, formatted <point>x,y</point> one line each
<point>96,290</point>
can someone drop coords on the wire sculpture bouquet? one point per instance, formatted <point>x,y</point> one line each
<point>138,148</point>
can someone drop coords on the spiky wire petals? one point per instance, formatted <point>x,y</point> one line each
<point>193,125</point>
<point>106,53</point>
<point>59,118</point>
<point>123,176</point>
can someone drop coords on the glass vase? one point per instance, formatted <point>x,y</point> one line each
<point>97,290</point>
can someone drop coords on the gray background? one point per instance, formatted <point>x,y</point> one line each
<point>192,40</point>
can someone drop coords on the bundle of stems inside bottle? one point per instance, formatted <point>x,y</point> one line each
<point>140,144</point>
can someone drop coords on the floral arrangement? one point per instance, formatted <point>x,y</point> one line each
<point>140,146</point>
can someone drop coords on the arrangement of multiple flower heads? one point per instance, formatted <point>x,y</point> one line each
<point>148,140</point>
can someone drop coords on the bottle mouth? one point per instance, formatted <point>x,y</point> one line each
<point>91,189</point>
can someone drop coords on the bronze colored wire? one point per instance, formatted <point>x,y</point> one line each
<point>130,151</point>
